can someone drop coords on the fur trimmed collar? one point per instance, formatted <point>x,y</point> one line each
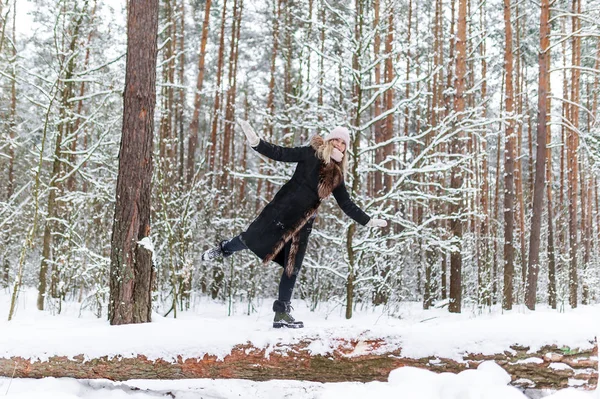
<point>317,142</point>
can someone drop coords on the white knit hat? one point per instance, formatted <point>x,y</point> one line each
<point>341,133</point>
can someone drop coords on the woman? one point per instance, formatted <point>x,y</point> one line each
<point>280,233</point>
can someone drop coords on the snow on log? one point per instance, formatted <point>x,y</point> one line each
<point>550,367</point>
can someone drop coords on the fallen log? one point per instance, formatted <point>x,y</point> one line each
<point>550,367</point>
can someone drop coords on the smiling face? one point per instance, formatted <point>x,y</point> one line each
<point>339,144</point>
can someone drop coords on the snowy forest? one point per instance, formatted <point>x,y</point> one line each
<point>474,128</point>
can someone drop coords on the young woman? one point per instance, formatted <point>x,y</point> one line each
<point>280,233</point>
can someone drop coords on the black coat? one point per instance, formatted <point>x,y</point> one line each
<point>291,203</point>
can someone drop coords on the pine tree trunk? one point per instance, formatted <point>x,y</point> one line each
<point>71,182</point>
<point>407,77</point>
<point>484,265</point>
<point>270,96</point>
<point>551,243</point>
<point>226,161</point>
<point>573,158</point>
<point>212,151</point>
<point>195,123</point>
<point>456,180</point>
<point>377,104</point>
<point>389,95</point>
<point>131,271</point>
<point>357,94</point>
<point>540,160</point>
<point>509,154</point>
<point>361,360</point>
<point>181,102</point>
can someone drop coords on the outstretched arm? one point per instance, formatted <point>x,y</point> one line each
<point>351,209</point>
<point>275,152</point>
<point>348,206</point>
<point>284,154</point>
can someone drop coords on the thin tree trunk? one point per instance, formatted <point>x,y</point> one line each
<point>195,123</point>
<point>520,194</point>
<point>456,180</point>
<point>574,163</point>
<point>484,266</point>
<point>585,231</point>
<point>71,181</point>
<point>181,103</point>
<point>407,77</point>
<point>12,122</point>
<point>551,244</point>
<point>321,62</point>
<point>217,272</point>
<point>377,105</point>
<point>212,151</point>
<point>63,130</point>
<point>226,160</point>
<point>389,94</point>
<point>540,160</point>
<point>271,95</point>
<point>357,93</point>
<point>131,271</point>
<point>509,195</point>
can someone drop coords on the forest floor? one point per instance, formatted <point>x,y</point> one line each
<point>209,329</point>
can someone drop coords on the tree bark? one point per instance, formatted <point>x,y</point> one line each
<point>131,271</point>
<point>456,179</point>
<point>12,123</point>
<point>573,163</point>
<point>551,241</point>
<point>377,104</point>
<point>228,156</point>
<point>195,123</point>
<point>212,151</point>
<point>540,160</point>
<point>361,360</point>
<point>484,267</point>
<point>509,194</point>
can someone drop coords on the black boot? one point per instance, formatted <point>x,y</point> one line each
<point>216,252</point>
<point>283,318</point>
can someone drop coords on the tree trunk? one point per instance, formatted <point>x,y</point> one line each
<point>389,94</point>
<point>181,103</point>
<point>509,194</point>
<point>357,360</point>
<point>377,104</point>
<point>519,192</point>
<point>212,151</point>
<point>540,160</point>
<point>71,182</point>
<point>407,77</point>
<point>12,123</point>
<point>270,96</point>
<point>63,130</point>
<point>195,123</point>
<point>551,245</point>
<point>131,271</point>
<point>227,158</point>
<point>357,93</point>
<point>573,158</point>
<point>484,266</point>
<point>456,180</point>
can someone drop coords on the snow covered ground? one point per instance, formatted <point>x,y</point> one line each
<point>208,329</point>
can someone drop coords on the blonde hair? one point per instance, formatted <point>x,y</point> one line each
<point>324,153</point>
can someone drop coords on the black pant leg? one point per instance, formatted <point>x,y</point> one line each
<point>286,284</point>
